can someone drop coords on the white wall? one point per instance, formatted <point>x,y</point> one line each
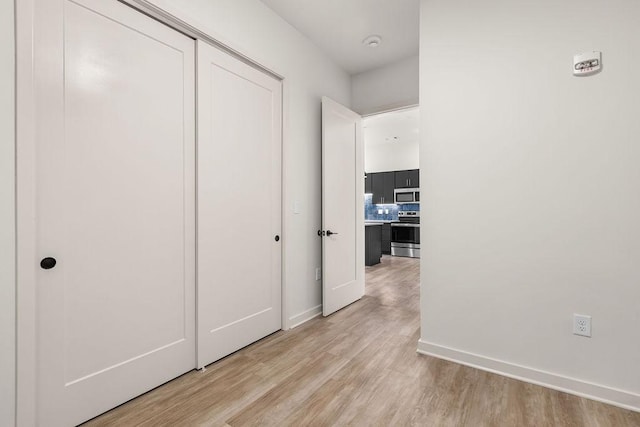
<point>7,238</point>
<point>534,190</point>
<point>389,157</point>
<point>255,30</point>
<point>391,140</point>
<point>386,88</point>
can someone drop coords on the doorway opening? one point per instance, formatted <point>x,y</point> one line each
<point>392,198</point>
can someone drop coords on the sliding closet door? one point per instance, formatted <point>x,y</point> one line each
<point>115,195</point>
<point>239,204</point>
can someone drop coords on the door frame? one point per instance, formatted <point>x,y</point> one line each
<point>25,188</point>
<point>390,110</point>
<point>385,111</point>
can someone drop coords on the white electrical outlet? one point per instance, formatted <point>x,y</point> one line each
<point>318,273</point>
<point>582,325</point>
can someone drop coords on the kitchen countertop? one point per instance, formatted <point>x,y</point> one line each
<point>372,224</point>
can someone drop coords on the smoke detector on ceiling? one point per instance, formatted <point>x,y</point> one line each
<point>372,41</point>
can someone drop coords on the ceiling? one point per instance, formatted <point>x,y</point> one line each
<point>397,127</point>
<point>338,27</point>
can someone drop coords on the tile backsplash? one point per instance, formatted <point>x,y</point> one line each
<point>371,210</point>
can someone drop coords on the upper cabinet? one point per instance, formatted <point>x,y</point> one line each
<point>407,179</point>
<point>382,186</point>
<point>367,183</point>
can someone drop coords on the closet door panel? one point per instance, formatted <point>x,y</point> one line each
<point>115,192</point>
<point>239,204</point>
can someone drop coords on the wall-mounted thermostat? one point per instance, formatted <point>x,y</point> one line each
<point>586,64</point>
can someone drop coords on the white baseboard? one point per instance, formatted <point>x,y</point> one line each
<point>621,398</point>
<point>305,316</point>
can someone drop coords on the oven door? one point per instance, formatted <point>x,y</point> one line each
<point>405,233</point>
<point>405,240</point>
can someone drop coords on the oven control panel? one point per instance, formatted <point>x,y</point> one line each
<point>409,214</point>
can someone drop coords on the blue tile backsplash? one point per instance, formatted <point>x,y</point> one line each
<point>371,210</point>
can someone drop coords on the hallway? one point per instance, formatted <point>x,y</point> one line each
<point>357,367</point>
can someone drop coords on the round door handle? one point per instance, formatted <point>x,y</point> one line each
<point>48,263</point>
<point>330,233</point>
<point>277,238</point>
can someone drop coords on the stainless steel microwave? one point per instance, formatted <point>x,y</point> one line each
<point>406,195</point>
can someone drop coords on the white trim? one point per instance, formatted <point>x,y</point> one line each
<point>284,232</point>
<point>601,393</point>
<point>391,110</point>
<point>25,217</point>
<point>305,316</point>
<point>396,106</point>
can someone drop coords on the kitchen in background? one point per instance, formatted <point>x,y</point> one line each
<point>392,186</point>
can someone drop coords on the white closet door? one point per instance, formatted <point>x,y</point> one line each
<point>239,204</point>
<point>115,194</point>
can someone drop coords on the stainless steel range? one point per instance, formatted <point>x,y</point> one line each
<point>405,235</point>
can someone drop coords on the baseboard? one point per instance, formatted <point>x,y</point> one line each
<point>305,316</point>
<point>621,398</point>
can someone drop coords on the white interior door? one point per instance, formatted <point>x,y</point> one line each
<point>115,196</point>
<point>342,207</point>
<point>239,204</point>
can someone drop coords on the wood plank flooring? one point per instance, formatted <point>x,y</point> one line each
<point>358,367</point>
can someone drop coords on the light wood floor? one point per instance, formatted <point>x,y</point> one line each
<point>358,367</point>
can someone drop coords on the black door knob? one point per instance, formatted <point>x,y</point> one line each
<point>48,263</point>
<point>277,238</point>
<point>330,233</point>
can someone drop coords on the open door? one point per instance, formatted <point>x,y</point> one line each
<point>342,207</point>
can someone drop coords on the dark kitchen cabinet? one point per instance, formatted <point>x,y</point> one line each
<point>407,179</point>
<point>372,244</point>
<point>386,239</point>
<point>382,186</point>
<point>367,183</point>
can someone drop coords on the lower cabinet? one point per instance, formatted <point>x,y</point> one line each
<point>372,244</point>
<point>386,239</point>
